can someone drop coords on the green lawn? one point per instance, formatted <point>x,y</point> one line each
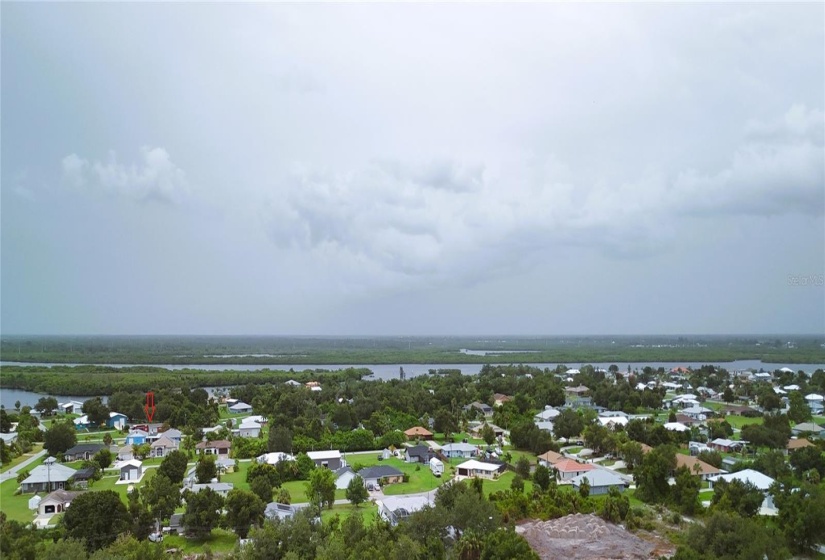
<point>738,421</point>
<point>220,540</point>
<point>15,507</point>
<point>238,478</point>
<point>36,448</point>
<point>369,511</point>
<point>503,483</point>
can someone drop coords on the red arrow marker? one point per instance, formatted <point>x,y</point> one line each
<point>149,409</point>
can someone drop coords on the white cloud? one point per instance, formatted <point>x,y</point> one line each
<point>450,220</point>
<point>155,178</point>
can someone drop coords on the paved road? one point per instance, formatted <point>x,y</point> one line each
<point>12,472</point>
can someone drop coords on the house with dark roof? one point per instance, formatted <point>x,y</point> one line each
<point>81,478</point>
<point>418,454</point>
<point>481,407</point>
<point>383,474</point>
<point>343,477</point>
<point>83,451</point>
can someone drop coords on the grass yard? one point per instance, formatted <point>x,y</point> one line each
<point>220,540</point>
<point>369,511</point>
<point>738,421</point>
<point>517,454</point>
<point>238,478</point>
<point>15,507</point>
<point>297,491</point>
<point>36,448</point>
<point>503,483</point>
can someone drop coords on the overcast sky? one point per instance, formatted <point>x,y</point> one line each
<point>413,169</point>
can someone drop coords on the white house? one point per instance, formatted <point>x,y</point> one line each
<point>473,468</point>
<point>249,429</point>
<point>463,450</point>
<point>676,427</point>
<point>71,407</point>
<point>600,481</point>
<point>343,477</point>
<point>221,488</point>
<point>547,415</point>
<point>275,457</point>
<point>612,421</point>
<point>398,508</point>
<point>56,502</point>
<point>330,459</point>
<point>761,481</point>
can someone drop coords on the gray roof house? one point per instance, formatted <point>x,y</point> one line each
<point>381,473</point>
<point>396,509</point>
<point>601,481</point>
<point>56,502</point>
<point>808,427</point>
<point>221,488</point>
<point>47,477</point>
<point>343,476</point>
<point>330,459</point>
<point>418,454</point>
<point>280,511</point>
<point>462,450</point>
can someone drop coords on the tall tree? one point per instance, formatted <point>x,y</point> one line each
<point>651,476</point>
<point>60,438</point>
<point>46,405</point>
<point>320,489</point>
<point>799,410</point>
<point>161,495</point>
<point>568,424</point>
<point>97,412</point>
<point>356,491</point>
<point>243,510</point>
<point>174,466</point>
<point>280,439</point>
<point>96,518</point>
<point>203,512</point>
<point>205,469</point>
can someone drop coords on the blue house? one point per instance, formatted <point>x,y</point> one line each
<point>136,437</point>
<point>116,420</point>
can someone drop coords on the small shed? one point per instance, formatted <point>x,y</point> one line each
<point>131,470</point>
<point>34,502</point>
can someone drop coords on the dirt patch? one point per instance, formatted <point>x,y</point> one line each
<point>585,537</point>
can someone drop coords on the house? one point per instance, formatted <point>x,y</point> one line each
<point>71,407</point>
<point>726,445</point>
<point>499,399</point>
<point>292,382</point>
<point>217,447</point>
<point>125,453</point>
<point>395,509</point>
<point>343,477</point>
<point>381,474</point>
<point>131,470</point>
<point>274,510</point>
<point>313,385</point>
<point>676,427</point>
<point>240,407</point>
<point>418,454</point>
<point>569,469</point>
<point>808,428</point>
<point>687,420</point>
<point>162,446</point>
<point>798,443</point>
<point>546,426</point>
<point>47,477</point>
<point>600,481</point>
<point>696,447</point>
<point>330,459</point>
<point>250,429</point>
<point>81,478</point>
<point>736,409</point>
<point>175,524</point>
<point>82,422</point>
<point>473,468</point>
<point>550,458</point>
<point>116,420</point>
<point>275,457</point>
<point>761,481</point>
<point>477,430</point>
<point>547,415</point>
<point>137,437</point>
<point>696,467</point>
<point>8,439</point>
<point>418,433</point>
<point>462,450</point>
<point>483,408</point>
<point>225,465</point>
<point>612,421</point>
<point>221,488</point>
<point>173,434</point>
<point>83,451</point>
<point>577,397</point>
<point>697,412</point>
<point>56,502</point>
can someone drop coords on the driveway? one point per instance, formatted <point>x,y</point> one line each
<point>12,472</point>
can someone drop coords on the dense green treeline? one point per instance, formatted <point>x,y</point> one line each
<point>420,350</point>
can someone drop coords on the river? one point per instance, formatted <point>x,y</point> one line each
<point>385,371</point>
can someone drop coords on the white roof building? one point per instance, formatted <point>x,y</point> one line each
<point>275,457</point>
<point>676,427</point>
<point>814,397</point>
<point>324,455</point>
<point>613,420</point>
<point>761,481</point>
<point>546,415</point>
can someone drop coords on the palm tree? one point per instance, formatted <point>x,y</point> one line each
<point>469,546</point>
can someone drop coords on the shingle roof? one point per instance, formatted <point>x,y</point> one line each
<point>569,465</point>
<point>418,451</point>
<point>57,473</point>
<point>379,471</point>
<point>418,431</point>
<point>691,462</point>
<point>599,477</point>
<point>85,448</point>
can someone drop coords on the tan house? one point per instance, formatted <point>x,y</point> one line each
<point>418,433</point>
<point>696,466</point>
<point>550,458</point>
<point>217,447</point>
<point>56,502</point>
<point>499,399</point>
<point>162,446</point>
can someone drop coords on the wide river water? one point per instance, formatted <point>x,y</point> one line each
<point>383,371</point>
